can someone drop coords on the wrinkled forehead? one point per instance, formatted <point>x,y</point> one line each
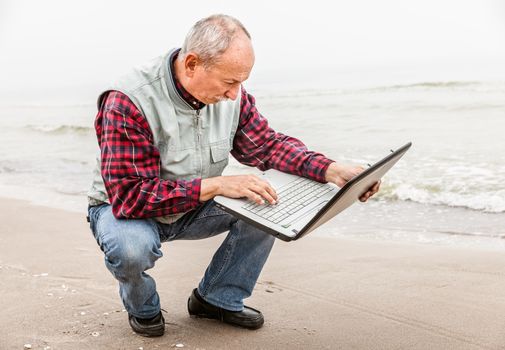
<point>237,61</point>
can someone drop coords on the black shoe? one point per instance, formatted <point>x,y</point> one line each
<point>247,318</point>
<point>151,327</point>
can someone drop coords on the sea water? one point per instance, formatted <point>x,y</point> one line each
<point>450,185</point>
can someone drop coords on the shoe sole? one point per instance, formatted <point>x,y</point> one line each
<point>252,326</point>
<point>204,316</point>
<point>153,332</point>
<point>149,335</point>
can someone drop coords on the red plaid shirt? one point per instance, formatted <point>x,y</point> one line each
<point>130,163</point>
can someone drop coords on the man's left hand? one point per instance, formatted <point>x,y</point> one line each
<point>340,174</point>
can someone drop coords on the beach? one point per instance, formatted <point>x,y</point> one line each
<point>419,266</point>
<point>316,293</point>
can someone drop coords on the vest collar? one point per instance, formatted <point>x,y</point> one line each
<point>169,80</point>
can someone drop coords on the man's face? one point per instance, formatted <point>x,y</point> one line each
<point>222,79</point>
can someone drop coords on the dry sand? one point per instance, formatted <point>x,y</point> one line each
<point>318,293</point>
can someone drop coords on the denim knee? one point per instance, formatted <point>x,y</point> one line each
<point>130,246</point>
<point>132,257</point>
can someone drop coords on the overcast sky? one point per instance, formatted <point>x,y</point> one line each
<point>52,45</point>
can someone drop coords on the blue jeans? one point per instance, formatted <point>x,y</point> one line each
<point>132,246</point>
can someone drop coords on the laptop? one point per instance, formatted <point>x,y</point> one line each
<point>303,204</point>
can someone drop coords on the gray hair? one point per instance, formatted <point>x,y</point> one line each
<point>211,36</point>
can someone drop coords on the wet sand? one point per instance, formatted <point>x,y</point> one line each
<point>318,293</point>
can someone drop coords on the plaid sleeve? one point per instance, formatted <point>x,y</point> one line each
<point>256,144</point>
<point>131,165</point>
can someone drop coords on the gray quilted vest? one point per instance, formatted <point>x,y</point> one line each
<point>191,143</point>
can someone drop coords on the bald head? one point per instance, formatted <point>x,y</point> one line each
<point>212,36</point>
<point>217,57</point>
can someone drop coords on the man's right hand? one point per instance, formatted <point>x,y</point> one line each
<point>238,186</point>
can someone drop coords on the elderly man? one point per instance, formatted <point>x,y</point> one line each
<point>165,131</point>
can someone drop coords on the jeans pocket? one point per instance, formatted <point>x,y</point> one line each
<point>93,213</point>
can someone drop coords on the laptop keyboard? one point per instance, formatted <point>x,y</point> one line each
<point>292,198</point>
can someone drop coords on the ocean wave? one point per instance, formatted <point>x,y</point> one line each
<point>32,105</point>
<point>7,169</point>
<point>488,202</point>
<point>70,192</point>
<point>436,84</point>
<point>462,86</point>
<point>470,234</point>
<point>472,86</point>
<point>466,86</point>
<point>60,129</point>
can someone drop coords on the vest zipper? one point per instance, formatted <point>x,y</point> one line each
<point>198,137</point>
<point>198,133</point>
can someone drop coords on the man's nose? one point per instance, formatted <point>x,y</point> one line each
<point>233,92</point>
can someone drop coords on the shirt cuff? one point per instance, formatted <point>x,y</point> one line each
<point>193,192</point>
<point>320,166</point>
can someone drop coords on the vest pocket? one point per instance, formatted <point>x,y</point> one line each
<point>219,151</point>
<point>219,157</point>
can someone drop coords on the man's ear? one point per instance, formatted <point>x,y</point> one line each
<point>191,61</point>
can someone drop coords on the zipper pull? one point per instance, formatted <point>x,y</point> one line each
<point>198,133</point>
<point>197,119</point>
